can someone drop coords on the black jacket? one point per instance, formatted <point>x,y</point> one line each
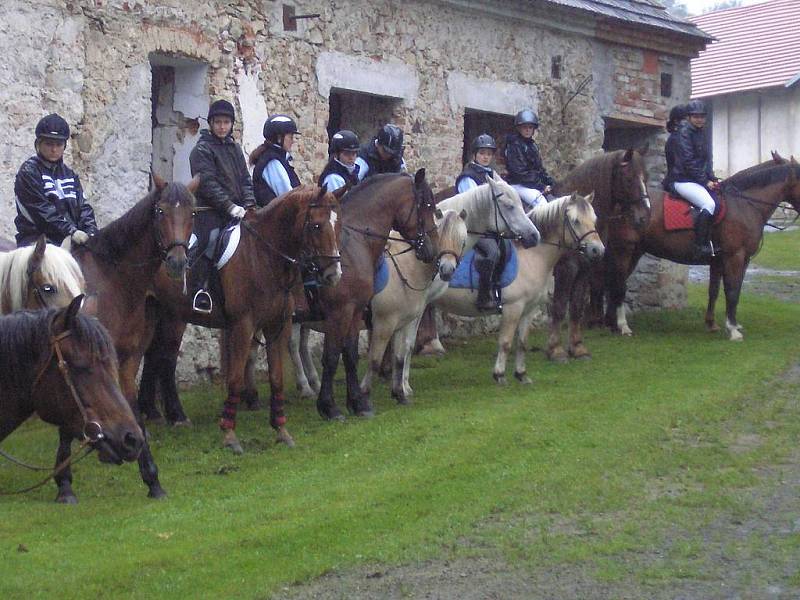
<point>334,166</point>
<point>524,163</point>
<point>224,179</point>
<point>50,201</point>
<point>369,154</point>
<point>476,172</point>
<point>692,158</point>
<point>264,193</point>
<point>670,150</point>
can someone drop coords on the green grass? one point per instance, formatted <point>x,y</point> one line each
<point>596,460</point>
<point>781,251</point>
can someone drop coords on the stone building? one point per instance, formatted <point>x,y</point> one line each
<point>134,79</point>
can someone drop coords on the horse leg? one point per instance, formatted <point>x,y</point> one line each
<point>379,347</point>
<point>277,417</point>
<point>236,350</point>
<point>295,348</point>
<point>733,268</point>
<point>427,336</point>
<point>308,361</point>
<point>250,392</point>
<point>620,265</point>
<point>508,326</point>
<point>564,275</point>
<point>523,329</point>
<point>357,403</point>
<point>63,478</point>
<point>403,341</point>
<point>577,305</point>
<point>331,350</point>
<point>168,344</point>
<point>714,277</point>
<point>148,387</point>
<point>597,274</point>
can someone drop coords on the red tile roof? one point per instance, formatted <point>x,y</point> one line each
<point>757,46</point>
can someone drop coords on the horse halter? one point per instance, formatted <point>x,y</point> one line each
<point>423,235</point>
<point>92,430</point>
<point>496,235</point>
<point>310,262</point>
<point>163,249</point>
<point>577,240</point>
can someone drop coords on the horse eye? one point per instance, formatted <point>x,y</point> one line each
<point>48,289</point>
<point>159,211</point>
<point>317,226</point>
<point>194,214</point>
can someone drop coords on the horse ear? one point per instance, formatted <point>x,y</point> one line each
<point>438,213</point>
<point>193,185</point>
<point>590,197</point>
<point>159,182</point>
<point>628,157</point>
<point>574,197</point>
<point>71,312</point>
<point>323,189</point>
<point>463,214</point>
<point>38,253</point>
<point>777,158</point>
<point>339,192</point>
<point>419,177</point>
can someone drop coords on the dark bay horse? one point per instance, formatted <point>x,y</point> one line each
<point>369,212</point>
<point>61,365</point>
<point>752,196</point>
<point>120,264</point>
<point>622,205</point>
<point>296,230</point>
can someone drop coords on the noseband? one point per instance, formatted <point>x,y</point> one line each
<point>309,262</point>
<point>577,240</point>
<point>496,235</point>
<point>165,249</point>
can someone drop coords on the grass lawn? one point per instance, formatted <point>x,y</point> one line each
<point>597,443</point>
<point>781,251</point>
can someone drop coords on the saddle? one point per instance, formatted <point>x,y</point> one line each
<point>680,214</point>
<point>213,242</point>
<point>466,276</point>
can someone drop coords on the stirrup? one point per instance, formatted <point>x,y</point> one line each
<point>202,302</point>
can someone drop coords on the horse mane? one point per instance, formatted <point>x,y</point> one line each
<point>25,340</point>
<point>364,189</point>
<point>58,265</point>
<point>761,175</point>
<point>596,174</point>
<point>548,216</point>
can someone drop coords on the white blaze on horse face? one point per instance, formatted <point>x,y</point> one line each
<point>645,195</point>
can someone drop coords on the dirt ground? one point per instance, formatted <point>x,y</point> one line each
<point>734,567</point>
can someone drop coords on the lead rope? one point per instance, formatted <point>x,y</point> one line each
<point>70,460</point>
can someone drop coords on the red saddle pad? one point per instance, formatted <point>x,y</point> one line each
<point>678,212</point>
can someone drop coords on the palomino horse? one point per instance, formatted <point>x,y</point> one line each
<point>120,263</point>
<point>395,311</point>
<point>295,231</point>
<point>752,196</point>
<point>61,365</point>
<point>622,205</point>
<point>39,276</point>
<point>369,212</point>
<point>566,224</point>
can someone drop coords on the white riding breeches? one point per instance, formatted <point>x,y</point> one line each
<point>696,194</point>
<point>530,197</point>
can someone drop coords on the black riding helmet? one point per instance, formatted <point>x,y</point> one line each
<point>279,125</point>
<point>221,108</point>
<point>484,140</point>
<point>390,136</point>
<point>696,107</point>
<point>344,140</point>
<point>676,115</point>
<point>53,127</point>
<point>526,117</point>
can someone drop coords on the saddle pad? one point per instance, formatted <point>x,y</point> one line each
<point>381,279</point>
<point>221,246</point>
<point>680,214</point>
<point>467,277</point>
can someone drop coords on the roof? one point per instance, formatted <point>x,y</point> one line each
<point>648,13</point>
<point>756,47</point>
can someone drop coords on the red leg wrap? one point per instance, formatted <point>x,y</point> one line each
<point>276,417</point>
<point>228,419</point>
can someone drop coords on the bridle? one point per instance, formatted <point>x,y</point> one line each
<point>37,293</point>
<point>165,249</point>
<point>498,215</point>
<point>577,244</point>
<point>625,206</point>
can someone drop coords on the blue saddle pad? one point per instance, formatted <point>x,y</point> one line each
<point>467,277</point>
<point>381,275</point>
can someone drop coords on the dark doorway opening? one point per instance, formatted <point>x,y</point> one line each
<point>361,113</point>
<point>496,125</point>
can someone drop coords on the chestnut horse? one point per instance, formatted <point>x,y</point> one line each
<point>622,205</point>
<point>120,263</point>
<point>61,365</point>
<point>752,196</point>
<point>295,231</point>
<point>369,212</point>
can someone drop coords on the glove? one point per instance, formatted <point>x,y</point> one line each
<point>236,211</point>
<point>79,237</point>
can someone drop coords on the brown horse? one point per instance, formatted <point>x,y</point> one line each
<point>295,231</point>
<point>369,212</point>
<point>61,365</point>
<point>622,205</point>
<point>752,196</point>
<point>120,264</point>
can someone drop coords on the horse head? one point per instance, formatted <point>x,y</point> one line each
<point>579,227</point>
<point>80,375</point>
<point>793,185</point>
<point>452,228</point>
<point>319,228</point>
<point>52,276</point>
<point>508,216</point>
<point>173,215</point>
<point>629,186</point>
<point>421,229</point>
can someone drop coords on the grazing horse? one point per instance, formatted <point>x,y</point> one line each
<point>751,196</point>
<point>61,365</point>
<point>369,212</point>
<point>296,231</point>
<point>120,263</point>
<point>38,276</point>
<point>619,182</point>
<point>566,224</point>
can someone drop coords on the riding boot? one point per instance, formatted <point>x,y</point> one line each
<point>702,236</point>
<point>487,299</point>
<point>199,273</point>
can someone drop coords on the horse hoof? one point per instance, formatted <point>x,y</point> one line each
<point>523,378</point>
<point>580,354</point>
<point>66,499</point>
<point>182,423</point>
<point>365,414</point>
<point>330,414</point>
<point>307,393</point>
<point>500,378</point>
<point>156,493</point>
<point>433,348</point>
<point>231,442</point>
<point>284,438</point>
<point>712,327</point>
<point>155,419</point>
